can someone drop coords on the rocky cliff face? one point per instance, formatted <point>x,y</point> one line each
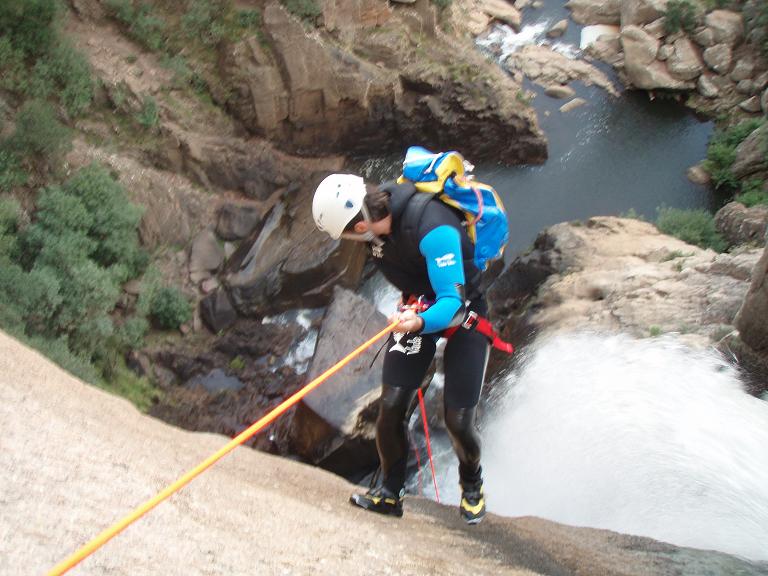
<point>716,60</point>
<point>612,274</point>
<point>75,459</point>
<point>375,77</point>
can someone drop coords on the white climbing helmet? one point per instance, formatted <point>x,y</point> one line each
<point>338,199</point>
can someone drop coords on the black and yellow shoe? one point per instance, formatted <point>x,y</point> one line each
<point>472,507</point>
<point>380,500</point>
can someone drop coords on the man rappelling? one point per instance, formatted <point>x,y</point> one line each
<point>429,246</point>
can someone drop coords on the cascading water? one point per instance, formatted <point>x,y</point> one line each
<point>642,437</point>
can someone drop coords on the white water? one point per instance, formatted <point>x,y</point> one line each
<point>638,436</point>
<point>502,40</point>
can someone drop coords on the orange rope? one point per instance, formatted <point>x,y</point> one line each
<point>89,548</point>
<point>429,446</point>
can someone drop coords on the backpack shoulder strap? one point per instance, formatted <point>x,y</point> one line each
<point>409,225</point>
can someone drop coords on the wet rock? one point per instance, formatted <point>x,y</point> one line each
<point>698,175</point>
<point>559,91</point>
<point>753,329</point>
<point>206,255</point>
<point>595,11</point>
<point>237,220</point>
<point>639,12</point>
<point>340,418</point>
<point>751,105</point>
<point>750,154</point>
<point>558,29</point>
<point>640,63</point>
<point>741,225</point>
<point>547,67</point>
<point>685,62</point>
<point>727,27</point>
<point>718,58</point>
<point>217,312</point>
<point>289,263</point>
<point>501,11</point>
<point>572,105</point>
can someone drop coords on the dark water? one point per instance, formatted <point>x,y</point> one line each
<point>610,157</point>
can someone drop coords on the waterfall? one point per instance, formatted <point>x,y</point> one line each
<point>643,437</point>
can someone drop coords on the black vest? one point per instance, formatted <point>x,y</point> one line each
<point>414,215</point>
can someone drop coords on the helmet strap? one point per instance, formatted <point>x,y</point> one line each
<point>366,236</point>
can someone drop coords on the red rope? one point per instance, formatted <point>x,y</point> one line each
<point>429,446</point>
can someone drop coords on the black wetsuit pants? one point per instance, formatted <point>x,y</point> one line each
<point>407,359</point>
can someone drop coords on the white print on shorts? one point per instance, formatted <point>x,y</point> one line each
<point>413,344</point>
<point>446,260</point>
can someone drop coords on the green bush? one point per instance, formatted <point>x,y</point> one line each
<point>36,61</point>
<point>692,226</point>
<point>442,4</point>
<point>304,9</point>
<point>29,24</point>
<point>141,23</point>
<point>680,14</point>
<point>11,172</point>
<point>753,192</point>
<point>204,19</point>
<point>39,136</point>
<point>721,153</point>
<point>169,308</point>
<point>148,115</point>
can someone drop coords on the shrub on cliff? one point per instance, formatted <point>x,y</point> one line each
<point>170,309</point>
<point>721,152</point>
<point>695,227</point>
<point>753,192</point>
<point>680,14</point>
<point>36,61</point>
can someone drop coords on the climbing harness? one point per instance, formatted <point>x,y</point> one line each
<point>478,323</point>
<point>89,548</point>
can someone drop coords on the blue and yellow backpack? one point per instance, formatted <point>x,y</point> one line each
<point>445,175</point>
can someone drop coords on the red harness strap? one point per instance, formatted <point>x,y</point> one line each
<point>476,322</point>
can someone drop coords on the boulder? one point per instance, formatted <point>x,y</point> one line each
<point>751,105</point>
<point>288,263</point>
<point>217,312</point>
<point>747,87</point>
<point>743,69</point>
<point>685,62</point>
<point>206,254</point>
<point>572,105</point>
<point>764,102</point>
<point>753,329</point>
<point>704,38</point>
<point>335,424</point>
<point>751,157</point>
<point>237,220</point>
<point>501,11</point>
<point>546,67</point>
<point>558,29</point>
<point>665,52</point>
<point>595,11</point>
<point>622,275</point>
<point>741,225</point>
<point>698,175</point>
<point>559,91</point>
<point>707,87</point>
<point>727,26</point>
<point>718,58</point>
<point>639,12</point>
<point>642,68</point>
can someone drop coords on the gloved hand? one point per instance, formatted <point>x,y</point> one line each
<point>409,321</point>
